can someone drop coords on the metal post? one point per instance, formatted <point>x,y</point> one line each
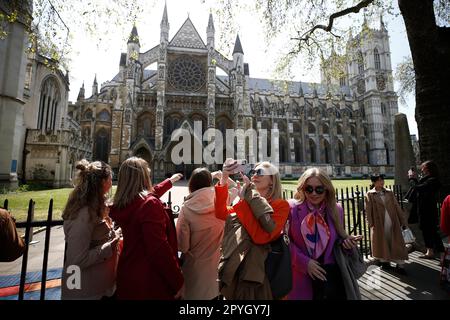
<point>23,272</point>
<point>46,250</point>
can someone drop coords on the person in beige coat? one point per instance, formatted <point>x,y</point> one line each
<point>386,220</point>
<point>199,235</point>
<point>90,263</point>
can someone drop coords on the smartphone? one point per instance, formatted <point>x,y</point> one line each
<point>242,165</point>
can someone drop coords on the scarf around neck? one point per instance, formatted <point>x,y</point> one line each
<point>315,230</point>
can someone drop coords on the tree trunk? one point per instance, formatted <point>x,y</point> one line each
<point>430,49</point>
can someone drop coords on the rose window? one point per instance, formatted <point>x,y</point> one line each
<point>186,74</point>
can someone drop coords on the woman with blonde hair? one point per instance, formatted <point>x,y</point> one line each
<point>315,225</point>
<point>251,224</point>
<point>89,234</point>
<point>148,265</point>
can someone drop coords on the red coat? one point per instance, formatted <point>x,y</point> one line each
<point>445,216</point>
<point>148,267</point>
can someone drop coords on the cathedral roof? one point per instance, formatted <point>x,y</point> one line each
<point>294,87</point>
<point>187,37</point>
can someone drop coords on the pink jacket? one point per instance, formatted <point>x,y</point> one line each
<point>199,235</point>
<point>301,281</point>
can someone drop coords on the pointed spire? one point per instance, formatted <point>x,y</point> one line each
<point>211,23</point>
<point>300,89</point>
<point>95,86</point>
<point>238,46</point>
<point>165,19</point>
<point>134,37</point>
<point>333,50</point>
<point>382,25</point>
<point>81,93</point>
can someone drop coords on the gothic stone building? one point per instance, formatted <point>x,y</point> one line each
<point>39,142</point>
<point>344,125</point>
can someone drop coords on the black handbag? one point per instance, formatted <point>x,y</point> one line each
<point>278,267</point>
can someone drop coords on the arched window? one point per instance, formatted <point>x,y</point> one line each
<point>339,129</point>
<point>311,128</point>
<point>353,131</point>
<point>283,150</point>
<point>355,153</point>
<point>388,160</point>
<point>326,129</point>
<point>341,153</point>
<point>104,116</point>
<point>101,145</point>
<point>366,131</point>
<point>377,59</point>
<point>88,115</point>
<point>327,150</point>
<point>312,151</point>
<point>342,81</point>
<point>48,104</point>
<point>360,61</point>
<point>147,128</point>
<point>383,109</point>
<point>368,152</point>
<point>298,151</point>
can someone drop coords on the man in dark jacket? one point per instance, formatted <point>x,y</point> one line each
<point>425,193</point>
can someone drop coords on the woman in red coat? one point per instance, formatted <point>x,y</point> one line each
<point>148,265</point>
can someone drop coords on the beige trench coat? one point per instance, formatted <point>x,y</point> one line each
<point>375,209</point>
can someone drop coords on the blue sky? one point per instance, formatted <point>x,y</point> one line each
<point>90,57</point>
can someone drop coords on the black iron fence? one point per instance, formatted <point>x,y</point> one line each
<point>30,224</point>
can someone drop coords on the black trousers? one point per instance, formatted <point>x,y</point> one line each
<point>333,288</point>
<point>431,236</point>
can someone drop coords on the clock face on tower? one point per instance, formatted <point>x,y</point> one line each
<point>186,74</point>
<point>381,82</point>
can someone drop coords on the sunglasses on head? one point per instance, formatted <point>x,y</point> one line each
<point>318,189</point>
<point>258,172</point>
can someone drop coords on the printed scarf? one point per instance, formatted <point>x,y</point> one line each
<point>315,231</point>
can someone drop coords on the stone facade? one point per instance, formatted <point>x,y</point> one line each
<point>40,143</point>
<point>343,125</point>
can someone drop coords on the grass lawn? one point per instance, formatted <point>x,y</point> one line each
<point>18,202</point>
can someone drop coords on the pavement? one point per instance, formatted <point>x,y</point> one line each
<point>420,283</point>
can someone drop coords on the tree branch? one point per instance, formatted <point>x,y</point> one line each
<point>327,28</point>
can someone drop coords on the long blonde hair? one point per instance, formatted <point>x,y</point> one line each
<point>133,180</point>
<point>88,190</point>
<point>330,195</point>
<point>275,192</point>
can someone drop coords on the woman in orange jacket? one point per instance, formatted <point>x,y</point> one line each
<point>267,182</point>
<point>251,224</point>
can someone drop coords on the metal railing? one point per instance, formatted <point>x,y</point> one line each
<point>29,224</point>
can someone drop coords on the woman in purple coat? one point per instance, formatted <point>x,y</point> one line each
<point>315,224</point>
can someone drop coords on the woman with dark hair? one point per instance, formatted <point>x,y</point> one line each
<point>386,220</point>
<point>199,235</point>
<point>89,234</point>
<point>426,195</point>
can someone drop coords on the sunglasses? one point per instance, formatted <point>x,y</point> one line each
<point>318,190</point>
<point>258,172</point>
